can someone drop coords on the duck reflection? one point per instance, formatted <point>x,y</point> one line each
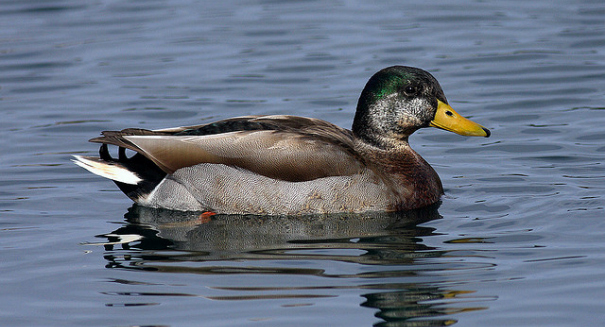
<point>386,245</point>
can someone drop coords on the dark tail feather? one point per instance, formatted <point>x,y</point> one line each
<point>150,174</point>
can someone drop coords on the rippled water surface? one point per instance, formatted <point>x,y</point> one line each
<point>518,239</point>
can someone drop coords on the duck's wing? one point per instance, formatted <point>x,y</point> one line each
<point>281,147</point>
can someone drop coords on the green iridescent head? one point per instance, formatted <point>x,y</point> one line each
<point>399,100</point>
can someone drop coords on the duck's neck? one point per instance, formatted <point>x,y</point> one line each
<point>416,182</point>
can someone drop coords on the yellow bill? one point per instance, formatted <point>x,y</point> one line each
<point>446,118</point>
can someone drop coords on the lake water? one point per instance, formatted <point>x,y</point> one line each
<point>518,240</point>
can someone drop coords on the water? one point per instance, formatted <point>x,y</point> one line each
<point>517,240</point>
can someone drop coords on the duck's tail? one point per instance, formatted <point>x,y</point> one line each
<point>112,170</point>
<point>136,176</point>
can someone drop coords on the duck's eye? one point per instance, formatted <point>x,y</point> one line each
<point>411,90</point>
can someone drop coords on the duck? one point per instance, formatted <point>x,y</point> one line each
<point>291,165</point>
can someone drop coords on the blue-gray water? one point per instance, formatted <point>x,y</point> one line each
<point>519,239</point>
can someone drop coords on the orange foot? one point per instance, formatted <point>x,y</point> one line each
<point>205,217</point>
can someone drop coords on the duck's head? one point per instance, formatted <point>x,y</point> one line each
<point>399,100</point>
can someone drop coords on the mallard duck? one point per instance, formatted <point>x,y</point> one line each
<point>289,165</point>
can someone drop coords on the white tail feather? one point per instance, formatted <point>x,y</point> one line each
<point>112,171</point>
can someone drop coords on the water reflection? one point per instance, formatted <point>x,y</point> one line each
<point>391,267</point>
